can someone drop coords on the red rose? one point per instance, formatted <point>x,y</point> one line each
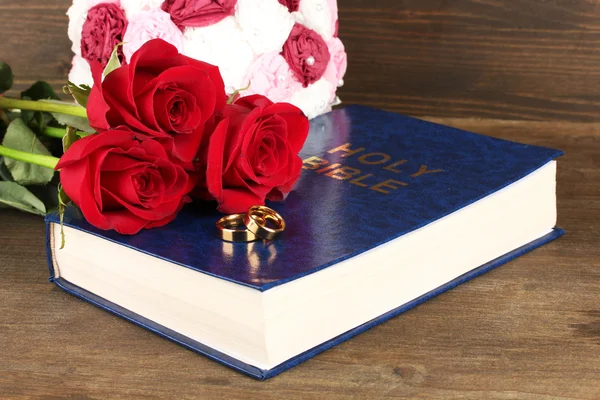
<point>124,181</point>
<point>252,155</point>
<point>103,29</point>
<point>292,5</point>
<point>198,13</point>
<point>161,93</point>
<point>307,54</point>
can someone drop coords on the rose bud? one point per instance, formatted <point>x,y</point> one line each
<point>160,93</point>
<point>124,181</point>
<point>252,155</point>
<point>198,13</point>
<point>307,54</point>
<point>103,29</point>
<point>292,5</point>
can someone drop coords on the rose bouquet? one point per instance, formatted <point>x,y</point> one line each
<point>149,136</point>
<point>287,50</point>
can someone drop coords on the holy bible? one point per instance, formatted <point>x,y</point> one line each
<point>389,212</point>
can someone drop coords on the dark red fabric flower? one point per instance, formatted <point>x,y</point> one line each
<point>160,93</point>
<point>198,13</point>
<point>124,181</point>
<point>252,155</point>
<point>307,54</point>
<point>292,5</point>
<point>103,29</point>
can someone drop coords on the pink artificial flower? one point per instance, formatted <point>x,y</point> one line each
<point>103,29</point>
<point>198,13</point>
<point>338,64</point>
<point>132,7</point>
<point>307,54</point>
<point>292,5</point>
<point>147,25</point>
<point>270,75</point>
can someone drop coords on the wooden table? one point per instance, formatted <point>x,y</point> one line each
<point>528,330</point>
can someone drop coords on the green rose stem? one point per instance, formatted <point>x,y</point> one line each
<point>37,159</point>
<point>53,132</point>
<point>69,109</point>
<point>44,161</point>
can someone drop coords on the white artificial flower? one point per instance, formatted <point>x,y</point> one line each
<point>299,18</point>
<point>77,14</point>
<point>132,7</point>
<point>318,16</point>
<point>222,44</point>
<point>315,99</point>
<point>266,24</point>
<point>81,73</point>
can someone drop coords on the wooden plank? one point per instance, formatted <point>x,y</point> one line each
<point>511,60</point>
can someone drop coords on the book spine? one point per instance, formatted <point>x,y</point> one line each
<point>50,249</point>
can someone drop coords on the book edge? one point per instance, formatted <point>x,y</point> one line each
<point>258,373</point>
<point>554,234</point>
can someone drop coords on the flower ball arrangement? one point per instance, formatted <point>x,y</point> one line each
<point>287,50</point>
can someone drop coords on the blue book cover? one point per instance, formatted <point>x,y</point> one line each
<point>388,174</point>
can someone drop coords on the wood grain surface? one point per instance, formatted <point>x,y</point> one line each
<point>527,330</point>
<point>518,59</point>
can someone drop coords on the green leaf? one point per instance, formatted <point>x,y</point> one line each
<point>82,124</point>
<point>79,123</point>
<point>20,137</point>
<point>37,120</point>
<point>6,77</point>
<point>39,91</point>
<point>46,194</point>
<point>113,62</point>
<point>5,117</point>
<point>4,122</point>
<point>82,134</point>
<point>4,173</point>
<point>79,93</point>
<point>69,138</point>
<point>14,195</point>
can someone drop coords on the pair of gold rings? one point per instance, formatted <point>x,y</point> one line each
<point>259,223</point>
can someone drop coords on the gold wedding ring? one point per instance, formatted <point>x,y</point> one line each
<point>228,229</point>
<point>257,218</point>
<point>251,226</point>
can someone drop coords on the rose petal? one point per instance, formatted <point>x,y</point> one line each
<point>214,164</point>
<point>238,200</point>
<point>78,186</point>
<point>124,222</point>
<point>98,108</point>
<point>161,222</point>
